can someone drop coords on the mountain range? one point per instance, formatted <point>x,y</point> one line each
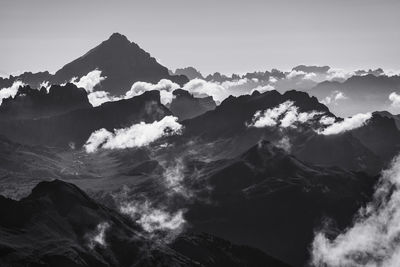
<point>172,174</point>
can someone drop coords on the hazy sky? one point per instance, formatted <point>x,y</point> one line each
<point>224,35</point>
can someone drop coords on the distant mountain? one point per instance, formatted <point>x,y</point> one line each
<point>76,126</point>
<point>230,117</point>
<point>312,69</point>
<point>60,225</point>
<point>121,61</point>
<point>186,106</point>
<point>32,79</point>
<point>270,199</point>
<point>360,93</point>
<point>380,135</point>
<point>228,122</point>
<point>31,103</point>
<point>189,72</point>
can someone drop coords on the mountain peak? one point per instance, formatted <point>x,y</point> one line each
<point>118,36</point>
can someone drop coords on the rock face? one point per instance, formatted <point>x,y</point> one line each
<point>121,61</point>
<point>60,225</point>
<point>31,103</point>
<point>185,106</point>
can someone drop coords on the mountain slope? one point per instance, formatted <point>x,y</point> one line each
<point>121,61</point>
<point>59,225</point>
<point>271,200</point>
<point>186,106</point>
<point>75,127</point>
<point>31,103</point>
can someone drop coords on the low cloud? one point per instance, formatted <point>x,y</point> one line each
<point>89,81</point>
<point>10,91</point>
<point>285,115</point>
<point>166,87</point>
<point>373,240</point>
<point>395,100</point>
<point>137,135</point>
<point>201,88</point>
<point>98,237</point>
<point>334,98</point>
<point>153,219</point>
<point>97,98</point>
<point>347,124</point>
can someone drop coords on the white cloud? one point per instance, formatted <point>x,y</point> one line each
<point>284,143</point>
<point>373,240</point>
<point>97,98</point>
<point>333,98</point>
<point>89,81</point>
<point>166,87</point>
<point>10,91</point>
<point>395,99</point>
<point>201,88</point>
<point>174,177</point>
<point>137,135</point>
<point>98,237</point>
<point>286,115</point>
<point>46,85</point>
<point>347,124</point>
<point>326,120</point>
<point>153,219</point>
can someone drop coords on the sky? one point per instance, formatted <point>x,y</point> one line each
<point>225,35</point>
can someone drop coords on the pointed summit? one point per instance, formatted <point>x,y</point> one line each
<point>122,62</point>
<point>118,37</point>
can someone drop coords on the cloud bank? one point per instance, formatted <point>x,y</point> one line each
<point>373,240</point>
<point>10,91</point>
<point>89,81</point>
<point>395,100</point>
<point>166,87</point>
<point>137,135</point>
<point>345,125</point>
<point>285,115</point>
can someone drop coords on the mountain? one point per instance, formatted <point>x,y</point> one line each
<point>360,94</point>
<point>189,72</point>
<point>31,103</point>
<point>76,126</point>
<point>186,106</point>
<point>230,117</point>
<point>229,121</point>
<point>271,200</point>
<point>121,61</point>
<point>60,225</point>
<point>32,79</point>
<point>312,69</point>
<point>380,135</point>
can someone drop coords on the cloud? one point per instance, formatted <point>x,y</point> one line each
<point>97,98</point>
<point>98,237</point>
<point>166,87</point>
<point>152,219</point>
<point>137,135</point>
<point>201,88</point>
<point>326,120</point>
<point>284,143</point>
<point>347,124</point>
<point>89,81</point>
<point>10,91</point>
<point>46,85</point>
<point>174,177</point>
<point>373,239</point>
<point>395,99</point>
<point>333,98</point>
<point>285,115</point>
